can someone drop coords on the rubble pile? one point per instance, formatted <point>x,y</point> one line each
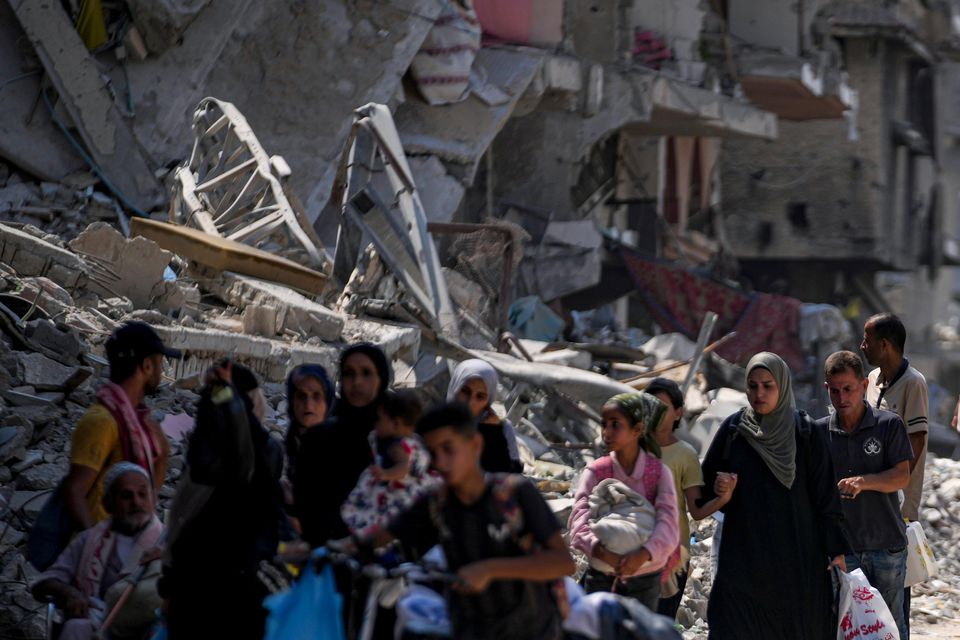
<point>937,599</point>
<point>62,209</point>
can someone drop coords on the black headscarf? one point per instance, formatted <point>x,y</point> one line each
<point>364,417</point>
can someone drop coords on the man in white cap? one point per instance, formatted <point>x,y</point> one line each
<point>91,573</point>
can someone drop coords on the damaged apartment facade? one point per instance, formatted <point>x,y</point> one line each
<point>861,207</point>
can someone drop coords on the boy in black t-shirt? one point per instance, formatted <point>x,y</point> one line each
<point>498,534</point>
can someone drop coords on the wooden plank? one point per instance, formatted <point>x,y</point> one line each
<point>221,254</point>
<point>106,135</point>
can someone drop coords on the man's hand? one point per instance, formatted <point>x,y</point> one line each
<point>296,552</point>
<point>76,605</point>
<point>630,563</point>
<point>223,370</point>
<point>151,554</point>
<point>474,577</point>
<point>851,487</point>
<point>840,561</point>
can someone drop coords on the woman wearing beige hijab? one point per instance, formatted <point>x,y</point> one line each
<point>781,528</point>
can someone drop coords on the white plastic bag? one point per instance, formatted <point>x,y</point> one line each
<point>921,565</point>
<point>863,613</point>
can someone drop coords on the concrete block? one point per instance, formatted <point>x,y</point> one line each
<point>40,477</point>
<point>42,373</point>
<point>137,263</point>
<point>294,311</point>
<point>261,320</point>
<point>563,74</point>
<point>31,256</point>
<point>33,457</point>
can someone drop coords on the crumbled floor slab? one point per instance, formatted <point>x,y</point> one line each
<point>133,268</point>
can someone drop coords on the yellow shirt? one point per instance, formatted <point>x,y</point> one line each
<point>685,465</point>
<point>96,445</point>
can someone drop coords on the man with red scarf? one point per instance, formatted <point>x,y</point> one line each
<point>118,426</point>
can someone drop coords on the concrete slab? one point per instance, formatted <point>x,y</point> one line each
<point>42,373</point>
<point>28,137</point>
<point>291,310</point>
<point>272,359</point>
<point>137,263</point>
<point>82,92</point>
<point>461,133</point>
<point>31,256</point>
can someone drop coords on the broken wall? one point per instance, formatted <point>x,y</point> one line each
<point>814,192</point>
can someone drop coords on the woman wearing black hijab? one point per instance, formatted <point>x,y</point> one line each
<point>334,454</point>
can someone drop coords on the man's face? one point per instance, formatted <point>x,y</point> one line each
<point>152,368</point>
<point>453,455</point>
<point>132,503</point>
<point>872,346</point>
<point>846,392</point>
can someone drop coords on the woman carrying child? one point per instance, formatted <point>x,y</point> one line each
<point>474,383</point>
<point>401,470</point>
<point>629,421</point>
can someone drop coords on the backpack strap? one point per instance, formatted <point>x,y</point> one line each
<point>602,468</point>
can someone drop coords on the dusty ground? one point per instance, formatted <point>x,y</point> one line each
<point>942,629</point>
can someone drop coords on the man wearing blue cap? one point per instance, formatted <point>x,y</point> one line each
<point>118,426</point>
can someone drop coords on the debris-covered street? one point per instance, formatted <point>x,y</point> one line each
<point>591,216</point>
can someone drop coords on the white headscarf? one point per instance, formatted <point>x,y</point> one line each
<point>473,369</point>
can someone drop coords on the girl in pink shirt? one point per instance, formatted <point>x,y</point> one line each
<point>629,421</point>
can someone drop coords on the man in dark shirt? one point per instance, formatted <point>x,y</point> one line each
<point>498,535</point>
<point>871,458</point>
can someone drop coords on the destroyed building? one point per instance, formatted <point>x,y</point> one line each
<point>585,194</point>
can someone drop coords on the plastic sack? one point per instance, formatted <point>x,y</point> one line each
<point>423,611</point>
<point>311,610</point>
<point>863,613</point>
<point>921,565</point>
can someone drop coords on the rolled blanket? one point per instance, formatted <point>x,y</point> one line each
<point>621,518</point>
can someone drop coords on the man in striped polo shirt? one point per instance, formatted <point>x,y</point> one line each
<point>898,387</point>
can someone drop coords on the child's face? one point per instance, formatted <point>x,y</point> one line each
<point>309,402</point>
<point>474,394</point>
<point>385,426</point>
<point>618,432</point>
<point>671,415</point>
<point>454,456</point>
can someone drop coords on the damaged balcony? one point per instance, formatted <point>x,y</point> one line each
<point>791,88</point>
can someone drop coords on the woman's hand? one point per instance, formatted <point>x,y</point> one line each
<point>630,563</point>
<point>603,554</point>
<point>724,485</point>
